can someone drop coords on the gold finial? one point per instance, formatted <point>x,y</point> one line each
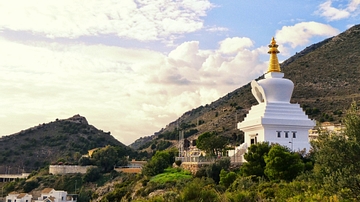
<point>273,63</point>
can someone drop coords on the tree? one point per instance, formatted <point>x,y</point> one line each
<point>282,164</point>
<point>337,159</point>
<point>199,190</point>
<point>91,175</point>
<point>160,161</point>
<point>227,178</point>
<point>84,161</point>
<point>211,143</point>
<point>255,164</point>
<point>106,158</point>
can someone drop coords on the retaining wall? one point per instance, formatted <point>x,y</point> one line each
<point>66,169</point>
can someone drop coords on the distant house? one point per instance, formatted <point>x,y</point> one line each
<point>18,197</point>
<point>332,128</point>
<point>51,195</point>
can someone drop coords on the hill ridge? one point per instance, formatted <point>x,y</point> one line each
<point>46,143</point>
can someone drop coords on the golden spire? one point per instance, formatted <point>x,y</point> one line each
<point>273,63</point>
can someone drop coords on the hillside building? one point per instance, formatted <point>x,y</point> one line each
<point>274,119</point>
<point>51,195</point>
<point>328,127</point>
<point>18,197</point>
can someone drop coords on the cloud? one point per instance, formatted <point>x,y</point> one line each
<point>301,33</point>
<point>233,45</point>
<point>112,88</point>
<point>217,29</point>
<point>140,20</point>
<point>331,13</point>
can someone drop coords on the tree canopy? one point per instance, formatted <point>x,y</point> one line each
<point>211,143</point>
<point>337,160</point>
<point>282,164</point>
<point>160,161</point>
<point>255,164</point>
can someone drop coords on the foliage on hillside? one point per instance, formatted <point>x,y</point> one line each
<point>272,173</point>
<point>326,76</point>
<point>62,140</point>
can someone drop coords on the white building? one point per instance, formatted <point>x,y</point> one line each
<point>274,119</point>
<point>51,195</point>
<point>18,197</point>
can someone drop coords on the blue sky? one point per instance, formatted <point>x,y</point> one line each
<point>133,66</point>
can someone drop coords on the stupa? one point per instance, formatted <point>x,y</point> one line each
<point>274,119</point>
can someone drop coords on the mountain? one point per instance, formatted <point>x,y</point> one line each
<point>326,76</point>
<point>46,143</point>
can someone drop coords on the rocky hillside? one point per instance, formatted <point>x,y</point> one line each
<point>46,143</point>
<point>326,77</point>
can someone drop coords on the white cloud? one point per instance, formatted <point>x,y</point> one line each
<point>301,33</point>
<point>141,20</point>
<point>331,13</point>
<point>233,45</point>
<point>112,88</point>
<point>353,5</point>
<point>217,29</point>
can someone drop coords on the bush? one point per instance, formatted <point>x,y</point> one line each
<point>92,174</point>
<point>199,190</point>
<point>30,185</point>
<point>227,178</point>
<point>178,162</point>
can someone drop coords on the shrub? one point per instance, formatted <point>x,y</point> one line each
<point>30,185</point>
<point>92,174</point>
<point>178,162</point>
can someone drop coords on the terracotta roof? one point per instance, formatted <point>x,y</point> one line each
<point>46,190</point>
<point>21,195</point>
<point>13,192</point>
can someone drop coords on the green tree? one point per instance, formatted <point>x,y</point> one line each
<point>227,178</point>
<point>282,164</point>
<point>199,190</point>
<point>211,143</point>
<point>160,161</point>
<point>84,161</point>
<point>91,175</point>
<point>30,185</point>
<point>337,159</point>
<point>255,164</point>
<point>106,158</point>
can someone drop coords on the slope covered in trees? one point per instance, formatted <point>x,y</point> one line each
<point>64,140</point>
<point>272,173</point>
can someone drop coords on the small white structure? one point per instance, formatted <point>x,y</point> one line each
<point>51,195</point>
<point>275,119</point>
<point>18,197</point>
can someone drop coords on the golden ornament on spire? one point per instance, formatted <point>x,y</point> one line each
<point>274,62</point>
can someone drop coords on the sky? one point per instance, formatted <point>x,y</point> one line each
<point>133,66</point>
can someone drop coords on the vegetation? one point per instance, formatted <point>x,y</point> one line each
<point>61,141</point>
<point>212,143</point>
<point>272,173</point>
<point>171,175</point>
<point>158,163</point>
